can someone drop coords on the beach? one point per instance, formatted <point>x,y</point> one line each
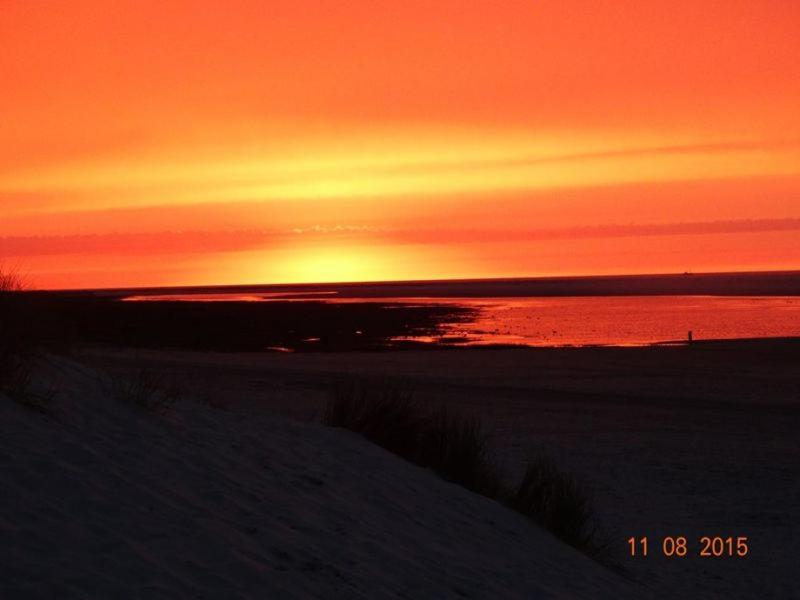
<point>168,434</point>
<point>103,499</point>
<point>691,441</point>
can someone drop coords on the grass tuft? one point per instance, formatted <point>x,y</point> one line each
<point>555,501</point>
<point>16,381</point>
<point>146,389</point>
<point>456,447</point>
<point>388,416</point>
<point>11,280</point>
<point>17,344</point>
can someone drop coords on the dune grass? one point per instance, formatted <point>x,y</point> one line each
<point>11,280</point>
<point>554,500</point>
<point>453,446</point>
<point>19,347</point>
<point>387,416</point>
<point>16,372</point>
<point>146,389</point>
<point>456,447</point>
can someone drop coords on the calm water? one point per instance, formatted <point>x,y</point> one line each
<point>624,320</point>
<point>605,320</point>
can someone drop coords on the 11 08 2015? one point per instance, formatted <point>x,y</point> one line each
<point>680,546</point>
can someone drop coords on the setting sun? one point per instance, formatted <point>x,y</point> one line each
<point>323,264</point>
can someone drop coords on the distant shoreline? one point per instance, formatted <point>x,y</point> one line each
<point>352,323</point>
<point>757,283</point>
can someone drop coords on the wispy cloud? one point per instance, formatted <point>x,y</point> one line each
<point>443,167</point>
<point>736,226</point>
<point>436,166</point>
<point>203,242</point>
<point>337,229</point>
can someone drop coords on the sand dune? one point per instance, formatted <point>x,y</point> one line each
<point>695,441</point>
<point>102,499</point>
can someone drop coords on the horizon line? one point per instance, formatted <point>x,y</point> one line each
<point>386,282</point>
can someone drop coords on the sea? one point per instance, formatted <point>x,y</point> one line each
<point>591,311</point>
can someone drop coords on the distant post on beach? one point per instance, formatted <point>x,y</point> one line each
<point>690,336</point>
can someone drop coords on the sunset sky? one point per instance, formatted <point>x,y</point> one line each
<point>200,142</point>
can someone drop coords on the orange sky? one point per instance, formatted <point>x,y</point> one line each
<point>172,143</point>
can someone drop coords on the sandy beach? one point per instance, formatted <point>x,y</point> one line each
<point>102,499</point>
<point>179,451</point>
<point>686,440</point>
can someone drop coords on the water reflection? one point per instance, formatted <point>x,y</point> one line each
<point>575,321</point>
<point>622,320</point>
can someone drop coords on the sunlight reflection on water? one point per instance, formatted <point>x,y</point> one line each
<point>581,320</point>
<point>623,320</point>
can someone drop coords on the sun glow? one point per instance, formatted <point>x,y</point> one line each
<point>324,265</point>
<point>308,264</point>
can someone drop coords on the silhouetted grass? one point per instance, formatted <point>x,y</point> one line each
<point>16,372</point>
<point>386,416</point>
<point>456,448</point>
<point>11,280</point>
<point>555,501</point>
<point>17,384</point>
<point>146,389</point>
<point>453,446</point>
<point>9,363</point>
<point>16,341</point>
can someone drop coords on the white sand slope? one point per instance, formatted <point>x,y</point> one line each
<point>101,499</point>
